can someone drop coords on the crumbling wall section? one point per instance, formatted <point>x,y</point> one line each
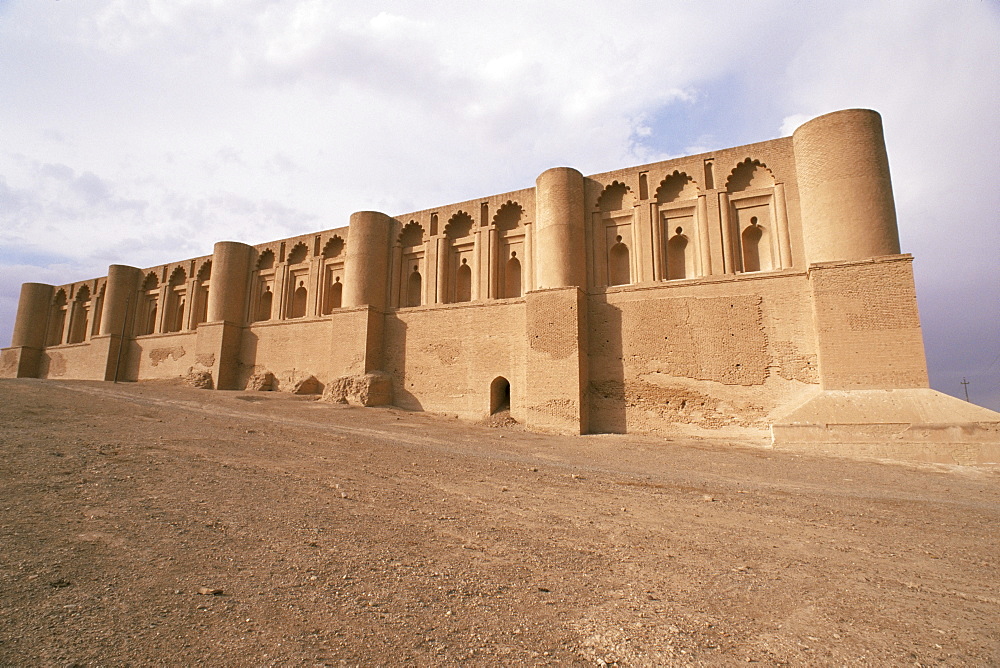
<point>716,356</point>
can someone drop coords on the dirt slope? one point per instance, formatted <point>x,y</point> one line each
<point>342,535</point>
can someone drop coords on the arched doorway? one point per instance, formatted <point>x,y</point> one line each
<point>499,395</point>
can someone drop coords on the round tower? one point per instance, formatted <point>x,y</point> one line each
<point>123,281</point>
<point>844,188</point>
<point>32,316</point>
<point>227,295</point>
<point>366,267</point>
<point>560,219</point>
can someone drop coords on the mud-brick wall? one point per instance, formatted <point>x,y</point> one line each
<point>445,358</point>
<point>78,361</point>
<point>162,356</point>
<point>717,356</point>
<point>327,348</point>
<point>868,325</point>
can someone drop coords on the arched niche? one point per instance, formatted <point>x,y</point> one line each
<point>57,319</point>
<point>460,283</point>
<point>333,247</point>
<point>757,225</point>
<point>202,285</point>
<point>411,236</point>
<point>266,259</point>
<point>79,316</point>
<point>612,235</point>
<point>265,304</point>
<point>174,302</point>
<point>298,254</point>
<point>619,263</point>
<point>680,256</point>
<point>332,287</point>
<point>459,226</point>
<point>615,197</point>
<point>148,305</point>
<point>751,174</point>
<point>414,288</point>
<point>463,282</point>
<point>676,187</point>
<point>512,277</point>
<point>508,217</point>
<point>506,256</point>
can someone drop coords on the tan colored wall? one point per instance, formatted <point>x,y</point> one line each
<point>444,358</point>
<point>717,355</point>
<point>557,335</point>
<point>326,348</point>
<point>162,356</point>
<point>76,361</point>
<point>867,325</point>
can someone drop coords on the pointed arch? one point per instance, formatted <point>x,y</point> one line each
<point>749,175</point>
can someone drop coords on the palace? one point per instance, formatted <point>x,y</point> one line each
<point>748,289</point>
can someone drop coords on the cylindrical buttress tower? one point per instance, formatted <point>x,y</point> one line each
<point>560,226</point>
<point>123,282</point>
<point>32,316</point>
<point>366,267</point>
<point>845,192</point>
<point>227,295</point>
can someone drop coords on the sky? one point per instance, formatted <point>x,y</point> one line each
<point>142,131</point>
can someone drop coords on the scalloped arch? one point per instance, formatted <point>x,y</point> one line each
<point>177,276</point>
<point>298,254</point>
<point>508,216</point>
<point>151,282</point>
<point>412,234</point>
<point>266,259</point>
<point>459,225</point>
<point>751,173</point>
<point>615,197</point>
<point>83,293</point>
<point>205,271</point>
<point>333,247</point>
<point>677,186</point>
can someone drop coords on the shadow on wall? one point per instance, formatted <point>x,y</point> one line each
<point>606,390</point>
<point>248,353</point>
<point>395,363</point>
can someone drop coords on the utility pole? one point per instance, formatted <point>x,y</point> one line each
<point>966,384</point>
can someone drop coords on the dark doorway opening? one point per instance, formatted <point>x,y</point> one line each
<point>499,395</point>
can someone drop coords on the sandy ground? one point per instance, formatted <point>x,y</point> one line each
<point>350,536</point>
